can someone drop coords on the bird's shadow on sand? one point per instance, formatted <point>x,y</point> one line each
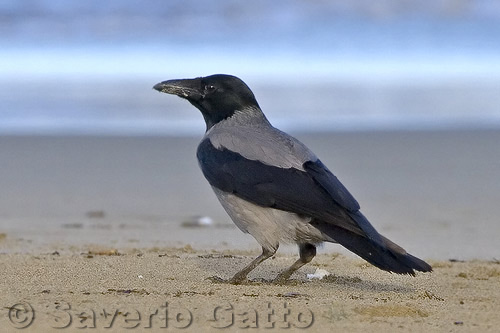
<point>366,285</point>
<point>346,281</point>
<point>228,264</point>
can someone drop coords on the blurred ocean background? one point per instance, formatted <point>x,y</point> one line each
<point>401,99</point>
<point>88,67</point>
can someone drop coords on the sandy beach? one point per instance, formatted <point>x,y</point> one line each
<point>93,234</point>
<point>170,289</point>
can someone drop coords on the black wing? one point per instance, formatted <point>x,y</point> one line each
<point>313,192</point>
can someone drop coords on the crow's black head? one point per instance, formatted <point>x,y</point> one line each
<point>216,96</point>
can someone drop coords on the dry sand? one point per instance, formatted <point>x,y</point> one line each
<point>96,224</point>
<point>73,288</point>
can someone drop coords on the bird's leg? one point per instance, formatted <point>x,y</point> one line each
<point>242,275</point>
<point>307,251</point>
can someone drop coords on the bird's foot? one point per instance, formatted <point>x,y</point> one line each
<point>216,279</point>
<point>282,278</point>
<point>234,280</point>
<point>238,279</point>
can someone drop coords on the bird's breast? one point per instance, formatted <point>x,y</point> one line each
<point>267,225</point>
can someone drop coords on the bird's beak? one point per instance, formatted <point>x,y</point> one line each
<point>185,88</point>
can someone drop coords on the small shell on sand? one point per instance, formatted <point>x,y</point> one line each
<point>318,274</point>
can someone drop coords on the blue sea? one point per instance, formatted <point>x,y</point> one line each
<point>88,67</point>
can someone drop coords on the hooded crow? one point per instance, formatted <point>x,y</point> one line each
<point>273,187</point>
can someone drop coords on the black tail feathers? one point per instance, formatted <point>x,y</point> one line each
<point>383,253</point>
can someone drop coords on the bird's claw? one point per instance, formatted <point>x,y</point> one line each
<point>237,279</point>
<point>280,280</point>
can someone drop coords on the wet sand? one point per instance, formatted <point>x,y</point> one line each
<point>97,223</point>
<point>436,193</point>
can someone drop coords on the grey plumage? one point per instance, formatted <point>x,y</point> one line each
<point>250,134</point>
<point>272,186</point>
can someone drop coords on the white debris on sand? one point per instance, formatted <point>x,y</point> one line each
<point>319,274</point>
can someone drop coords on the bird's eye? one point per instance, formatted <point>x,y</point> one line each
<point>210,88</point>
